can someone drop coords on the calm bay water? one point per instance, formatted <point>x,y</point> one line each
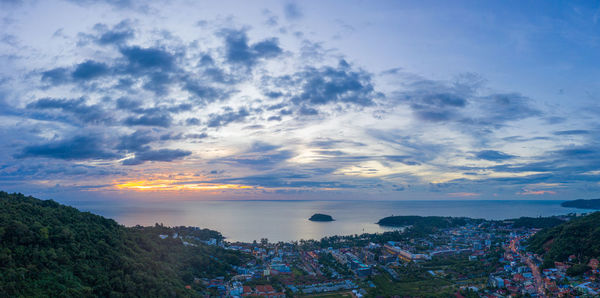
<point>288,220</point>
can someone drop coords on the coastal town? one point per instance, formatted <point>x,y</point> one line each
<point>474,259</point>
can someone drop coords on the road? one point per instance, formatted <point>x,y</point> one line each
<point>537,276</point>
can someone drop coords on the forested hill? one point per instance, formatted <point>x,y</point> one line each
<point>429,221</point>
<point>579,236</point>
<point>583,204</point>
<point>48,249</point>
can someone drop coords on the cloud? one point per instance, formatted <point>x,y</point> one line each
<point>328,85</point>
<point>463,194</point>
<point>292,11</point>
<point>282,180</point>
<point>328,143</point>
<point>435,101</point>
<point>412,150</point>
<point>164,155</point>
<point>238,51</point>
<point>161,120</point>
<point>571,132</point>
<point>196,135</point>
<point>56,76</point>
<point>526,192</point>
<point>45,169</point>
<point>306,111</point>
<point>78,107</point>
<point>192,121</point>
<point>509,106</point>
<point>229,116</point>
<point>148,58</point>
<point>438,107</point>
<point>81,72</point>
<point>118,35</point>
<point>204,92</point>
<point>460,102</point>
<point>259,147</point>
<point>159,82</point>
<point>89,70</point>
<point>124,103</point>
<point>331,152</point>
<point>136,141</point>
<point>493,155</point>
<point>76,148</point>
<point>405,159</point>
<point>260,155</point>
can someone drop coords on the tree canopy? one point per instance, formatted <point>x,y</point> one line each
<point>48,249</point>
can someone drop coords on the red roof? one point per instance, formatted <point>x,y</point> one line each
<point>247,289</point>
<point>265,289</point>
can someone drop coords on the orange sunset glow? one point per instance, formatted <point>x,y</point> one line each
<point>170,185</point>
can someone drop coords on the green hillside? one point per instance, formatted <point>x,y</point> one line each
<point>583,204</point>
<point>414,220</point>
<point>579,237</point>
<point>48,249</point>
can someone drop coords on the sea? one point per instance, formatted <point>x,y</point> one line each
<point>247,221</point>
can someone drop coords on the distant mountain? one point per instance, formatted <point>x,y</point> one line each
<point>583,204</point>
<point>321,217</point>
<point>579,236</point>
<point>48,249</point>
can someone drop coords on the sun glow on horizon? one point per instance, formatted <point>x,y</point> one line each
<point>171,185</point>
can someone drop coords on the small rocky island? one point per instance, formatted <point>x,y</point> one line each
<point>321,217</point>
<point>583,204</point>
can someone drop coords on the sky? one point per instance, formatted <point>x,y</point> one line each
<point>307,100</point>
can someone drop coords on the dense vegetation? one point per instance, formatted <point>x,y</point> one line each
<point>48,249</point>
<point>579,237</point>
<point>537,222</point>
<point>583,204</point>
<point>441,276</point>
<point>321,217</point>
<point>413,220</point>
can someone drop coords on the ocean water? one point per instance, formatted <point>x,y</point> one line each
<point>288,220</point>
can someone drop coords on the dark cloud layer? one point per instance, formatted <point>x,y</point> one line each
<point>334,85</point>
<point>78,108</point>
<point>239,51</point>
<point>156,155</point>
<point>76,148</point>
<point>89,70</point>
<point>162,120</point>
<point>493,155</point>
<point>148,58</point>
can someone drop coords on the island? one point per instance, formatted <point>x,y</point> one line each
<point>583,204</point>
<point>321,217</point>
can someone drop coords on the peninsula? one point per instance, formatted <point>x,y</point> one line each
<point>583,204</point>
